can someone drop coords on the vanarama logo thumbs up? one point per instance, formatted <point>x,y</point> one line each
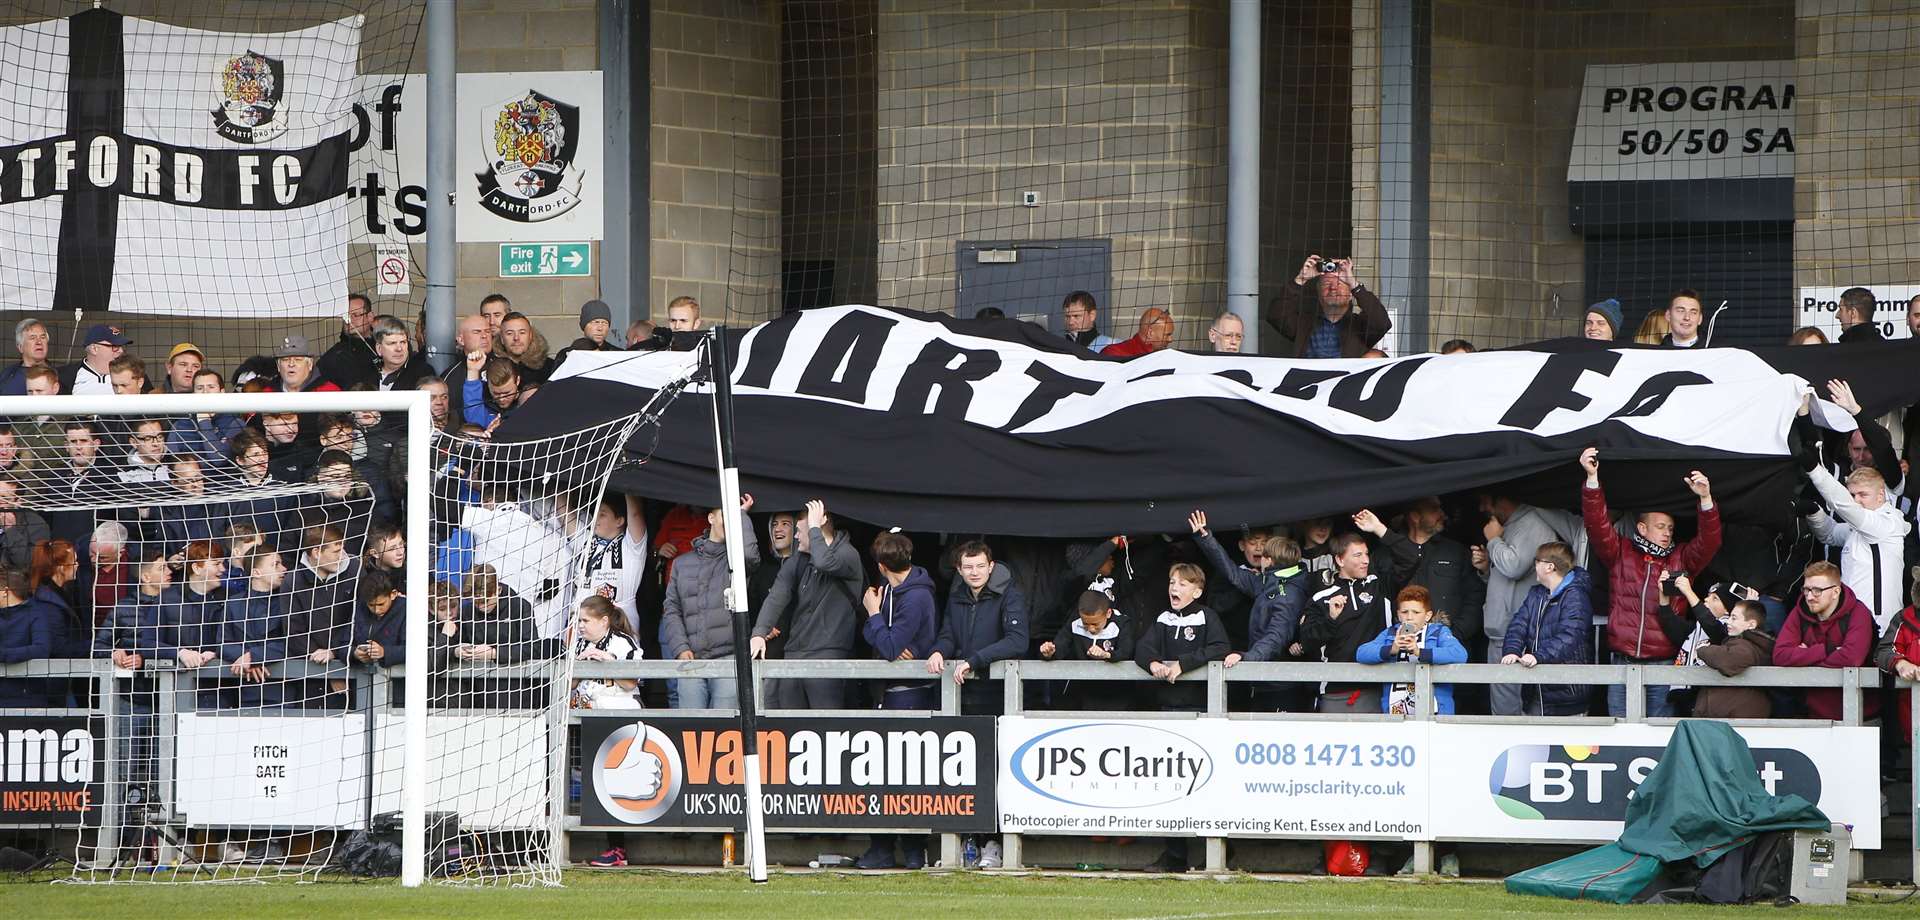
<point>637,773</point>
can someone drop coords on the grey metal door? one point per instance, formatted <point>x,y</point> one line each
<point>1028,278</point>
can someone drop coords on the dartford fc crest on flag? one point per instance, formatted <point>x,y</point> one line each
<point>252,85</point>
<point>530,142</point>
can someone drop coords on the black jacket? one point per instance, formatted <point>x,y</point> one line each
<point>1369,606</point>
<point>390,630</point>
<point>1860,333</point>
<point>984,629</point>
<point>408,377</point>
<point>1192,637</point>
<point>350,361</point>
<point>1445,568</point>
<point>508,627</point>
<point>321,608</point>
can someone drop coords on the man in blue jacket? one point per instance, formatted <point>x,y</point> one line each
<point>899,627</point>
<point>1551,627</point>
<point>985,622</point>
<point>137,632</point>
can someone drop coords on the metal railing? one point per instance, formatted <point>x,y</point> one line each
<point>177,695</point>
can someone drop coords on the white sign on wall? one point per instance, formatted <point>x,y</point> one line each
<point>1817,306</point>
<point>528,148</point>
<point>530,167</point>
<point>1715,120</point>
<point>1215,778</point>
<point>1551,782</point>
<point>294,771</point>
<point>270,771</point>
<point>393,270</point>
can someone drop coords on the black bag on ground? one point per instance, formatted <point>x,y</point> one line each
<point>369,855</point>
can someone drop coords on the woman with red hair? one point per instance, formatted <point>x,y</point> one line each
<point>54,581</point>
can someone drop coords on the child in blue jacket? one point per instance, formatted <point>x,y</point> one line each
<point>1422,635</point>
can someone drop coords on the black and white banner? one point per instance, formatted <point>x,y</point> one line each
<point>933,423</point>
<point>150,168</point>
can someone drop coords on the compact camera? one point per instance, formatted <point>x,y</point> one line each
<point>1329,266</point>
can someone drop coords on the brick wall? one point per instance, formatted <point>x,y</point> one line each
<point>1857,137</point>
<point>716,156</point>
<point>1110,110</point>
<point>1506,81</point>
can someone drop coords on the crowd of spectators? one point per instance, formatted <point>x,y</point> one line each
<point>243,543</point>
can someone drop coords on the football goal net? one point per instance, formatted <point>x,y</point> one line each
<point>292,633</point>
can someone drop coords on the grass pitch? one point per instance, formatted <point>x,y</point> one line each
<point>841,896</point>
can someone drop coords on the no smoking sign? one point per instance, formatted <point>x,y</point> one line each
<point>393,270</point>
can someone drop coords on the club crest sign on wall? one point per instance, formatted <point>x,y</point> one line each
<point>531,141</point>
<point>252,86</point>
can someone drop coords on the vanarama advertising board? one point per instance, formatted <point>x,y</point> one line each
<point>50,769</point>
<point>879,773</point>
<point>1215,778</point>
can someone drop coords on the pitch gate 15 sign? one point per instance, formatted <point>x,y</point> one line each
<point>665,771</point>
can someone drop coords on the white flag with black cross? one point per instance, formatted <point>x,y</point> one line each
<point>149,168</point>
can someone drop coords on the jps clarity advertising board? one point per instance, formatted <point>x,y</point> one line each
<point>50,769</point>
<point>664,771</point>
<point>1549,782</point>
<point>1215,778</point>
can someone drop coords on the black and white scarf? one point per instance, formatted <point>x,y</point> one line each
<point>604,554</point>
<point>1649,547</point>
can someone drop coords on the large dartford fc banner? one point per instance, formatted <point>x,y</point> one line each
<point>1385,780</point>
<point>670,772</point>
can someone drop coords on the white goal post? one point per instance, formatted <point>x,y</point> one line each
<point>416,406</point>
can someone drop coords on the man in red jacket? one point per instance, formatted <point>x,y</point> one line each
<point>1634,566</point>
<point>1156,333</point>
<point>1828,628</point>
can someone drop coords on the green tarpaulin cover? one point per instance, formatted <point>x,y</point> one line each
<point>1604,873</point>
<point>1706,797</point>
<point>1703,799</point>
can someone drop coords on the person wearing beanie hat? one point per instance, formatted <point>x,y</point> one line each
<point>596,320</point>
<point>1603,321</point>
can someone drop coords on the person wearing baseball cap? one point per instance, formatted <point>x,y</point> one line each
<point>92,375</point>
<point>185,360</point>
<point>294,358</point>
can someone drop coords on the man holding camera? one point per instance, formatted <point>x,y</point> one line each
<point>1342,320</point>
<point>1635,565</point>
